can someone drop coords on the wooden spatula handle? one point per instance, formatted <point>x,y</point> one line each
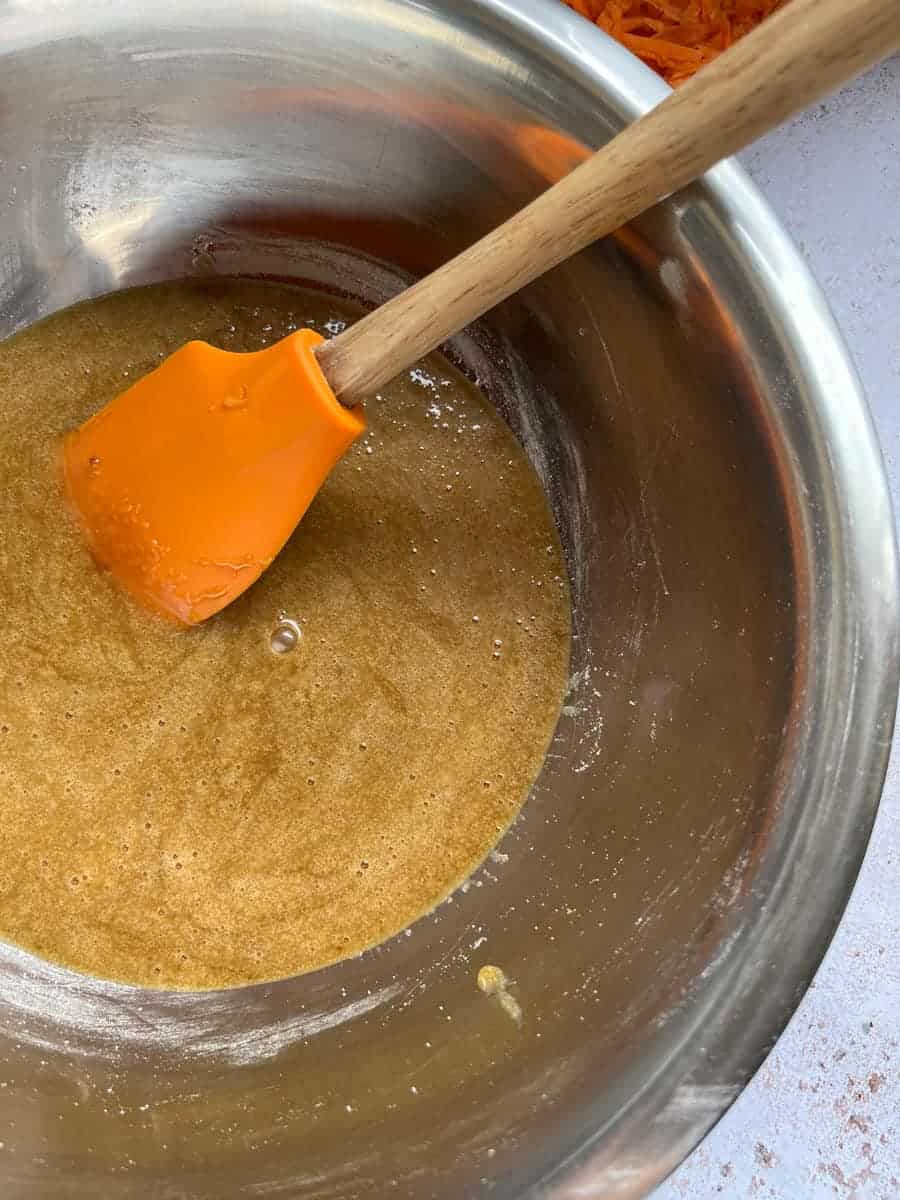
<point>799,54</point>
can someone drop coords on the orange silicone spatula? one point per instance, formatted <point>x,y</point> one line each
<point>188,484</point>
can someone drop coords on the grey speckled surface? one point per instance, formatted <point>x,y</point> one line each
<point>822,1116</point>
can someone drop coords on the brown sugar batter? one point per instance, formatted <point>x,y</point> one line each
<point>187,808</point>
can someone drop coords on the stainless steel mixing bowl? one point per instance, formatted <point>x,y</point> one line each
<point>681,864</point>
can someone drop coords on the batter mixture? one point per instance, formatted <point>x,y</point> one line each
<point>234,803</point>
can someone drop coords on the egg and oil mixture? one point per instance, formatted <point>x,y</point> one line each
<point>312,769</point>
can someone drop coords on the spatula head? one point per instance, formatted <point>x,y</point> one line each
<point>189,483</point>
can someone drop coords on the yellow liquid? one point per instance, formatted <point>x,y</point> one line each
<point>190,809</point>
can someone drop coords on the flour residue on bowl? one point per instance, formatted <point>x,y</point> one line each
<point>493,982</point>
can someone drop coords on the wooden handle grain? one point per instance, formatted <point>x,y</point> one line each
<point>796,56</point>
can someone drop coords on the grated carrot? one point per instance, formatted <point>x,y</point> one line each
<point>676,37</point>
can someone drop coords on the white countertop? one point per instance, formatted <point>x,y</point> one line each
<point>821,1118</point>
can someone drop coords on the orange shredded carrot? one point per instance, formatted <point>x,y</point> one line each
<point>676,37</point>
